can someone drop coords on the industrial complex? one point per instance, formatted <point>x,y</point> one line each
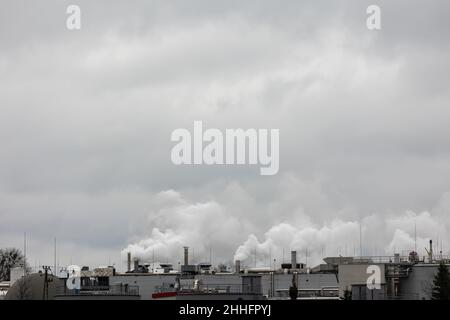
<point>337,278</point>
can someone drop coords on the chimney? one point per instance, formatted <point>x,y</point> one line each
<point>430,253</point>
<point>136,265</point>
<point>129,261</point>
<point>186,256</point>
<point>293,259</point>
<point>237,266</point>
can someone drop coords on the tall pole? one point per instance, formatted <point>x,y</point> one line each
<point>360,239</point>
<point>24,254</point>
<point>210,255</point>
<point>54,256</point>
<point>306,260</point>
<point>415,236</point>
<point>270,257</point>
<point>153,260</point>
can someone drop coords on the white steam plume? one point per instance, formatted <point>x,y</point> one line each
<point>231,230</point>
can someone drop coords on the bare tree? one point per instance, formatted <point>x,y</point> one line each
<point>10,258</point>
<point>24,289</point>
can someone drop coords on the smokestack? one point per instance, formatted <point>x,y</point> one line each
<point>430,253</point>
<point>129,261</point>
<point>293,259</point>
<point>136,265</point>
<point>237,265</point>
<point>186,256</point>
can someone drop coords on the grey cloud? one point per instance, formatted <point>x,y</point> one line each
<point>87,116</point>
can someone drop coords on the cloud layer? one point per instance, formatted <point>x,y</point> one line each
<point>86,119</point>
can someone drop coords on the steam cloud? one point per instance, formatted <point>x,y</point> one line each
<point>220,229</point>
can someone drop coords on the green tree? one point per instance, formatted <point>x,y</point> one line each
<point>441,284</point>
<point>9,258</point>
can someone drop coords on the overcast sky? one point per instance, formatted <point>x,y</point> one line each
<point>86,118</point>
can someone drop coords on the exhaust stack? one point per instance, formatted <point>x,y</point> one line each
<point>430,252</point>
<point>237,266</point>
<point>293,259</point>
<point>186,256</point>
<point>129,261</point>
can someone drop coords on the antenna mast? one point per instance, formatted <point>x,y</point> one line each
<point>24,254</point>
<point>415,236</point>
<point>360,239</point>
<point>54,267</point>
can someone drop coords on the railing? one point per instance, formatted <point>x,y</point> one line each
<point>211,288</point>
<point>228,288</point>
<point>94,288</point>
<point>398,272</point>
<point>403,296</point>
<point>325,292</point>
<point>397,259</point>
<point>115,290</point>
<point>381,259</point>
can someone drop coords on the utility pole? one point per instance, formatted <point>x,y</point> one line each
<point>46,281</point>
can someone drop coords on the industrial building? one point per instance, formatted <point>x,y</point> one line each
<point>400,278</point>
